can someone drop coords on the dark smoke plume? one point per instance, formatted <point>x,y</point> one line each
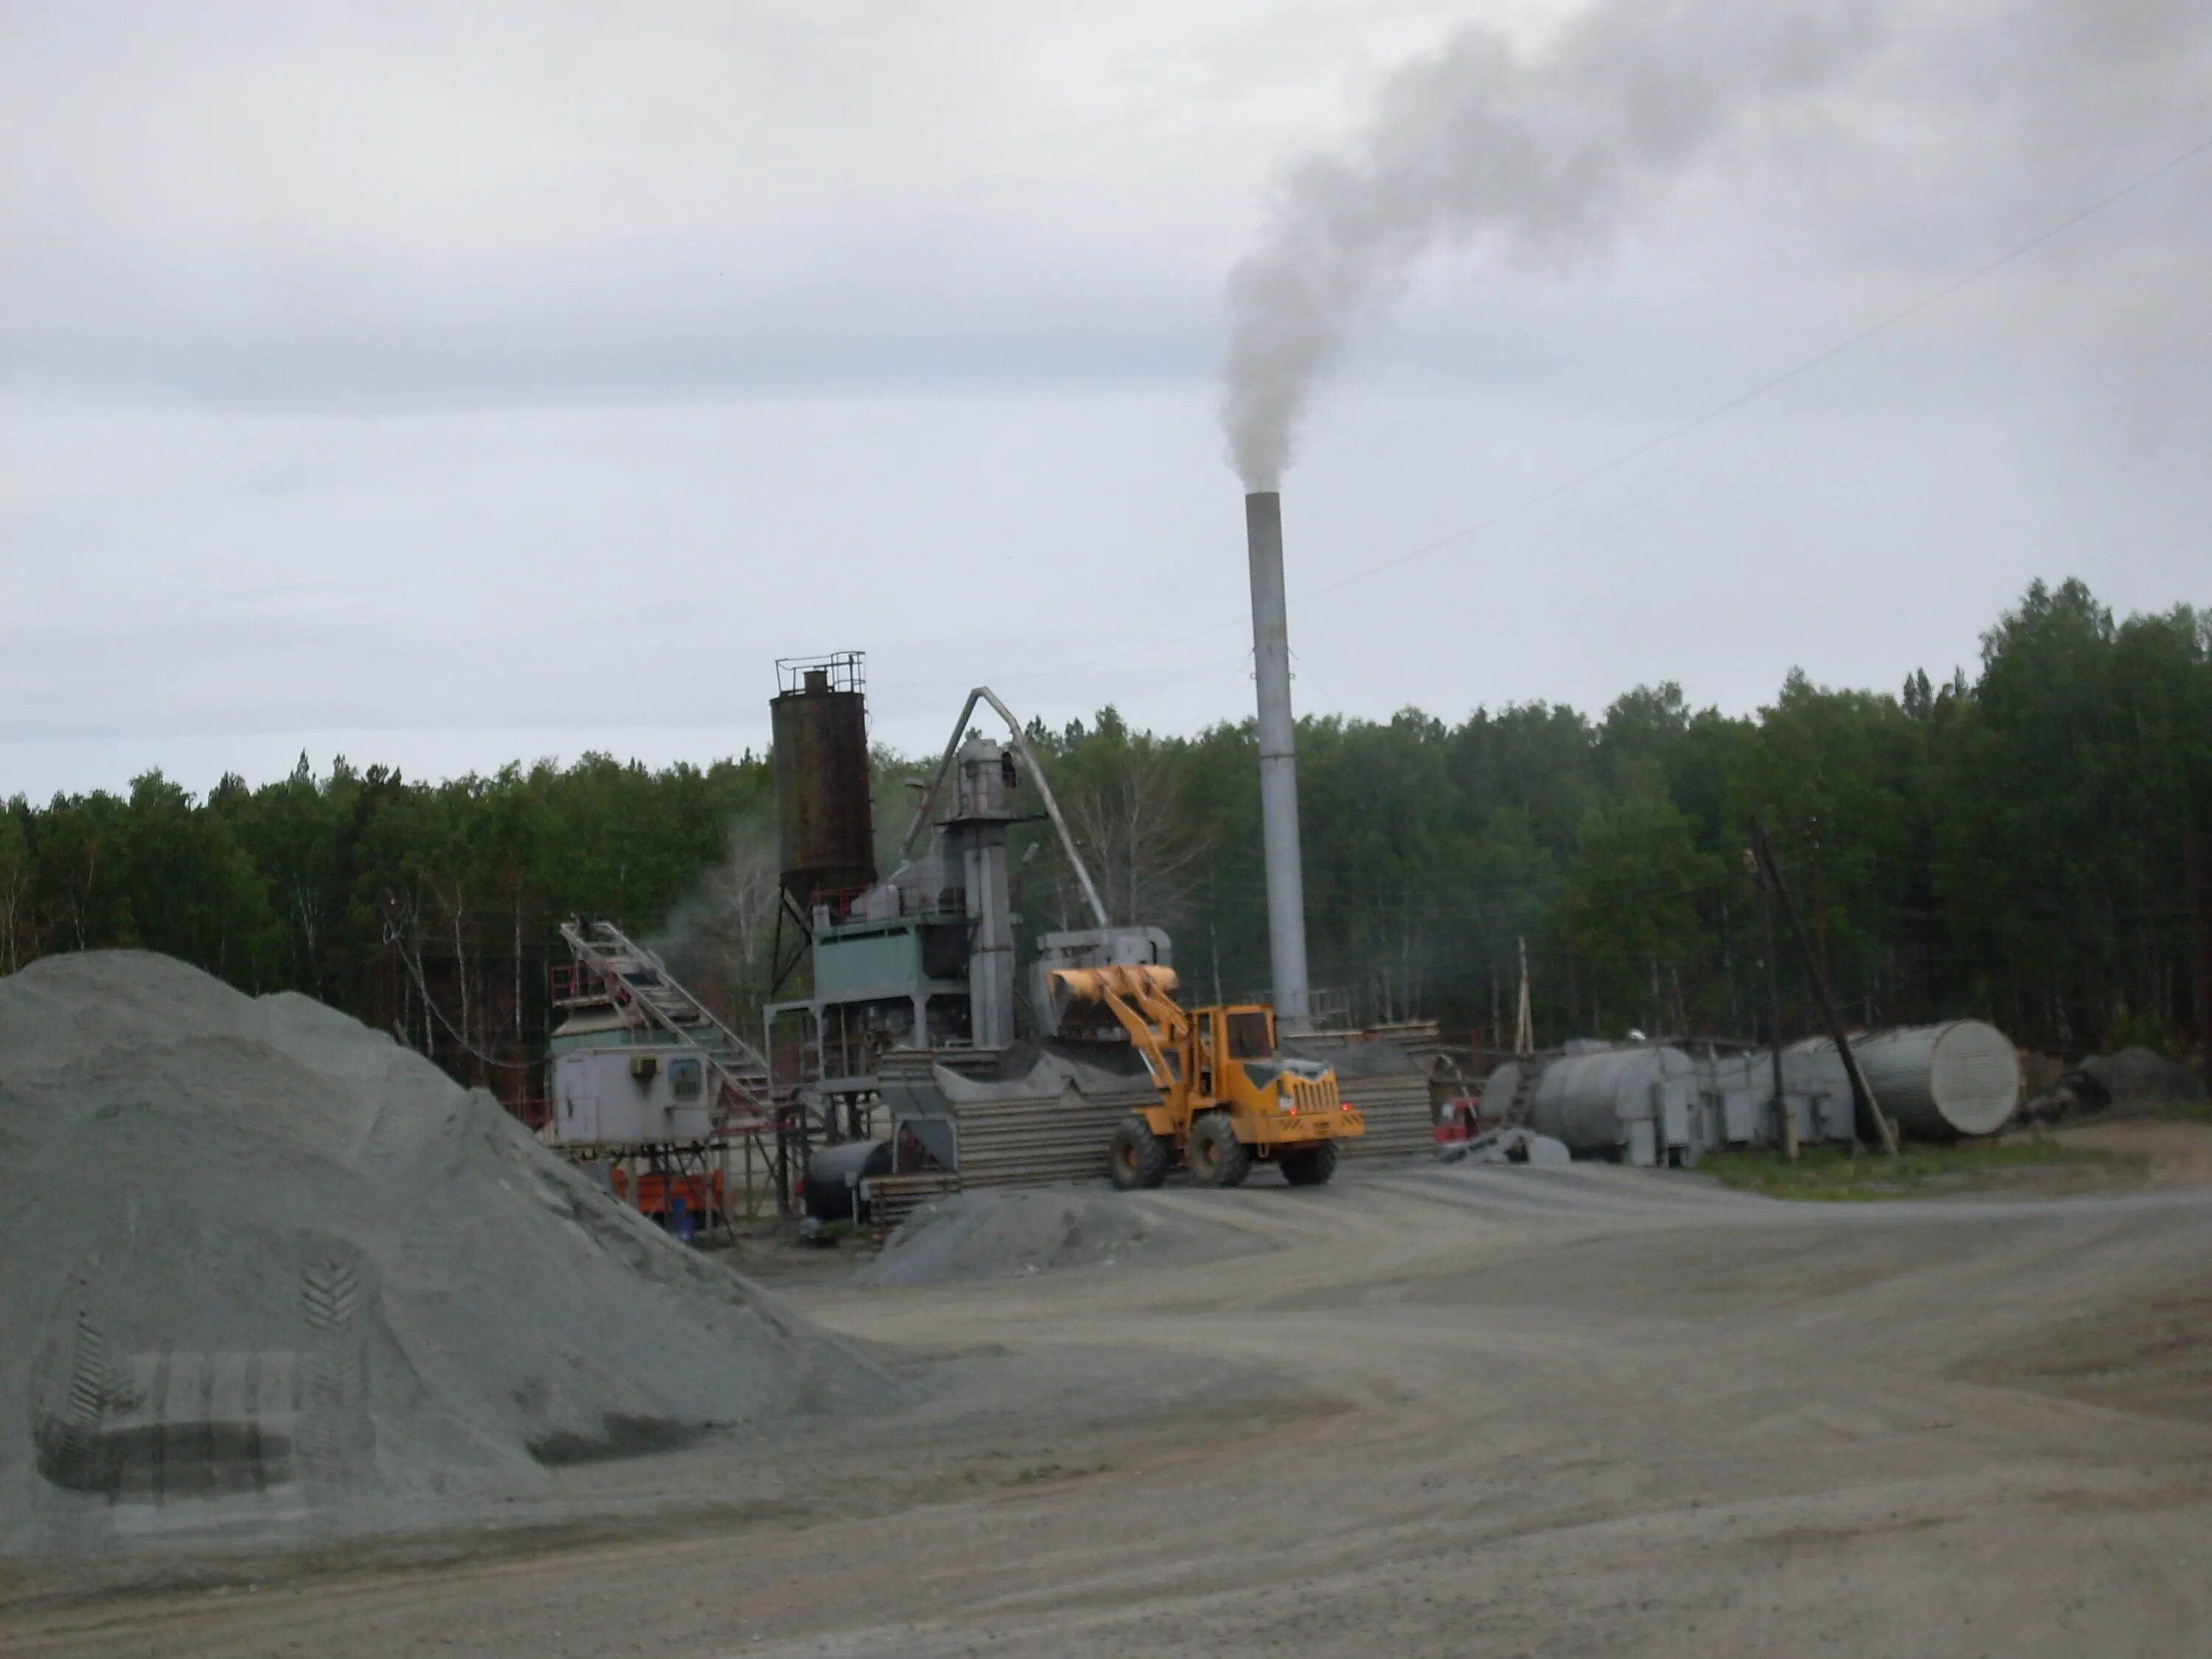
<point>1545,153</point>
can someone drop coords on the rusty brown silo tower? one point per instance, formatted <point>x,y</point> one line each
<point>825,822</point>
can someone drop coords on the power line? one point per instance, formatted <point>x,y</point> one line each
<point>391,938</point>
<point>1774,383</point>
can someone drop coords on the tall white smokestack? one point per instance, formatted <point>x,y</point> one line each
<point>1278,764</point>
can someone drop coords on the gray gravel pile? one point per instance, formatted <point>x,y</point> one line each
<point>268,1273</point>
<point>995,1234</point>
<point>2142,1077</point>
<point>2134,1079</point>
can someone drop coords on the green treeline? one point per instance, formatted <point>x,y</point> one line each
<point>368,890</point>
<point>2010,845</point>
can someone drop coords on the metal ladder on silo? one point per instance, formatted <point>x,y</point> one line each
<point>636,979</point>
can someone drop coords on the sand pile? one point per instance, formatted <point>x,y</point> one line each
<point>994,1234</point>
<point>262,1270</point>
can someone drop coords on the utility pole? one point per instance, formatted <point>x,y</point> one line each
<point>1524,1028</point>
<point>1868,1107</point>
<point>1820,902</point>
<point>1728,963</point>
<point>1786,1119</point>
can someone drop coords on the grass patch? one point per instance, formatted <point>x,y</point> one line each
<point>1830,1174</point>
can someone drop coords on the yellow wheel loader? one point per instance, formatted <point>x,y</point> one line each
<point>1227,1099</point>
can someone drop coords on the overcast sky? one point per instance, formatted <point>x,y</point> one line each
<point>450,384</point>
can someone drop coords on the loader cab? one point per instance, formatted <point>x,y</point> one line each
<point>1229,1034</point>
<point>1223,1041</point>
<point>1251,1032</point>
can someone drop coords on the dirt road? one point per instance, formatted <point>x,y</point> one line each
<point>1575,1412</point>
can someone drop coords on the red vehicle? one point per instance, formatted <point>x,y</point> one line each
<point>657,1193</point>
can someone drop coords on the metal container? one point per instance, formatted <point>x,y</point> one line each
<point>825,821</point>
<point>1736,1104</point>
<point>1632,1104</point>
<point>631,1096</point>
<point>1939,1082</point>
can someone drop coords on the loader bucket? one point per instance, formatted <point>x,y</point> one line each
<point>1080,996</point>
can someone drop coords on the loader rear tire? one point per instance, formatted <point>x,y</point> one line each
<point>1216,1157</point>
<point>1137,1157</point>
<point>1309,1166</point>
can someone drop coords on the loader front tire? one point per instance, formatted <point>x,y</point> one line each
<point>1216,1157</point>
<point>1309,1166</point>
<point>1138,1157</point>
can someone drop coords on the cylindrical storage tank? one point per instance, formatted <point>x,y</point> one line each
<point>1590,1101</point>
<point>1498,1088</point>
<point>825,824</point>
<point>834,1175</point>
<point>1939,1082</point>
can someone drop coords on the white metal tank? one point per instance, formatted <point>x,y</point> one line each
<point>1939,1082</point>
<point>1628,1103</point>
<point>1499,1087</point>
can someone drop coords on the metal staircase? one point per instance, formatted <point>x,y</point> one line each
<point>1516,1111</point>
<point>612,967</point>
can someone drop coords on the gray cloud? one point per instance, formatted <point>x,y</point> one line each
<point>282,206</point>
<point>365,365</point>
<point>481,204</point>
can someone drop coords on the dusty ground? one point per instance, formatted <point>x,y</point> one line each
<point>2166,1154</point>
<point>1579,1412</point>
